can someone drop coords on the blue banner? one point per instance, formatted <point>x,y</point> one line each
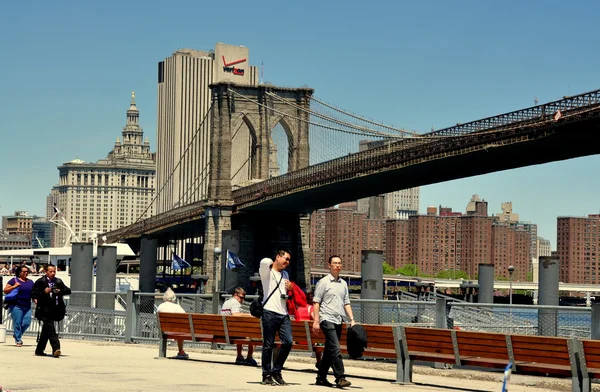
<point>233,261</point>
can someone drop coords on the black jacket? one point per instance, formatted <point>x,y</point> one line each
<point>50,306</point>
<point>357,341</point>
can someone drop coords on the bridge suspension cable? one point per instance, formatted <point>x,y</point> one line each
<point>204,123</point>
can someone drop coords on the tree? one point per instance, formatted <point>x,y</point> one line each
<point>387,269</point>
<point>452,274</point>
<point>408,270</point>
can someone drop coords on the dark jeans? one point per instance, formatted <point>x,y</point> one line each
<point>48,333</point>
<point>272,323</point>
<point>332,357</point>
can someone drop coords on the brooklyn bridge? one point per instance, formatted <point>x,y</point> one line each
<point>237,203</point>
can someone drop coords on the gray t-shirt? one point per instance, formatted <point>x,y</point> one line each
<point>231,307</point>
<point>331,295</point>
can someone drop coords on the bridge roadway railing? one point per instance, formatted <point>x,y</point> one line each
<point>179,214</point>
<point>131,316</point>
<point>414,148</point>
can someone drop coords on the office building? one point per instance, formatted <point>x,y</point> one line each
<point>42,233</point>
<point>544,247</point>
<point>111,193</point>
<point>18,224</point>
<point>184,100</point>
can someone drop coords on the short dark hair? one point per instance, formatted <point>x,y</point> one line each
<point>282,251</point>
<point>333,257</point>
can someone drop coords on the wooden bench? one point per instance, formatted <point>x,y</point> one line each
<point>539,355</point>
<point>589,360</point>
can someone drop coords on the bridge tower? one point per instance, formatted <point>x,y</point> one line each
<point>242,120</point>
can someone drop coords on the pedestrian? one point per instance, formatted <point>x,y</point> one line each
<point>48,292</point>
<point>20,307</point>
<point>233,307</point>
<point>275,282</point>
<point>331,303</point>
<point>170,305</point>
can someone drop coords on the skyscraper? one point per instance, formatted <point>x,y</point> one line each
<point>184,100</point>
<point>112,193</point>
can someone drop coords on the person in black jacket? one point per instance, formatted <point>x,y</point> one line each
<point>47,293</point>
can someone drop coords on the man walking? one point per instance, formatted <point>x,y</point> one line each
<point>275,282</point>
<point>47,293</point>
<point>331,302</point>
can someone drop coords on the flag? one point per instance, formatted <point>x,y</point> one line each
<point>558,115</point>
<point>179,263</point>
<point>233,261</point>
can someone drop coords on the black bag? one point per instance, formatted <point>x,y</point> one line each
<point>356,341</point>
<point>256,307</point>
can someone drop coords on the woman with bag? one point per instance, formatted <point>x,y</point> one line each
<point>19,304</point>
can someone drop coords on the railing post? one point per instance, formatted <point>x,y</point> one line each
<point>595,322</point>
<point>130,316</point>
<point>440,313</point>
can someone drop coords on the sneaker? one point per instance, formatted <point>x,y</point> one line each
<point>182,355</point>
<point>56,353</point>
<point>268,380</point>
<point>250,362</point>
<point>240,360</point>
<point>278,379</point>
<point>19,344</point>
<point>342,383</point>
<point>323,382</point>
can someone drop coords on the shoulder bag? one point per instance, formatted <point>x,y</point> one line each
<point>256,307</point>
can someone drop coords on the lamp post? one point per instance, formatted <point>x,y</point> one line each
<point>511,269</point>
<point>217,252</point>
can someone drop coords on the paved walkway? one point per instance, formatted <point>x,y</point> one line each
<point>108,366</point>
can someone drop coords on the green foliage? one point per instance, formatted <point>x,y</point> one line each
<point>387,269</point>
<point>408,270</point>
<point>452,274</point>
<point>530,276</point>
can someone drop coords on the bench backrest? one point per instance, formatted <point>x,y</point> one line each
<point>474,344</point>
<point>429,340</point>
<point>542,349</point>
<point>591,349</point>
<point>174,322</point>
<point>243,327</point>
<point>208,324</point>
<point>380,336</point>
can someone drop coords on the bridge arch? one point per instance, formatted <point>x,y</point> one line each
<point>243,149</point>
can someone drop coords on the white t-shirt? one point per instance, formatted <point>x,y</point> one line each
<point>269,279</point>
<point>169,307</point>
<point>231,307</point>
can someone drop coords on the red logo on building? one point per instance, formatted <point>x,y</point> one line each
<point>229,67</point>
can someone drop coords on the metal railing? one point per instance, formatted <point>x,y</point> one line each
<point>131,316</point>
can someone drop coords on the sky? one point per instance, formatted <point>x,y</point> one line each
<point>68,69</point>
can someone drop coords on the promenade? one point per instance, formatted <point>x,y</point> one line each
<point>108,366</point>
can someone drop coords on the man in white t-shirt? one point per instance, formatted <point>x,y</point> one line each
<point>275,284</point>
<point>233,307</point>
<point>170,305</point>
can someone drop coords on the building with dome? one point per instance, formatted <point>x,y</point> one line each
<point>111,193</point>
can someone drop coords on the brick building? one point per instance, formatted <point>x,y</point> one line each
<point>578,249</point>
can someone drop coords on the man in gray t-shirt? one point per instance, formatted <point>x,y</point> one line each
<point>331,302</point>
<point>233,307</point>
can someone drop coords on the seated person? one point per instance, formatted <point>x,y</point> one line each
<point>170,305</point>
<point>233,307</point>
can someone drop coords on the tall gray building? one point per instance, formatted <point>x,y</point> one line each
<point>184,101</point>
<point>111,193</point>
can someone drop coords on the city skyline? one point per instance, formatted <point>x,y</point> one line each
<point>432,67</point>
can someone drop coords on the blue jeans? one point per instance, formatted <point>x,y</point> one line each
<point>21,320</point>
<point>332,357</point>
<point>274,322</point>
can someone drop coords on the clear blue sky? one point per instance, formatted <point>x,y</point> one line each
<point>68,67</point>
